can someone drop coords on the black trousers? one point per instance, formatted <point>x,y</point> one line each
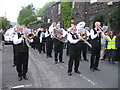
<point>43,47</point>
<point>95,56</point>
<point>83,50</point>
<point>58,49</point>
<point>118,55</point>
<point>14,60</point>
<point>73,59</point>
<point>67,50</point>
<point>49,47</point>
<point>21,63</point>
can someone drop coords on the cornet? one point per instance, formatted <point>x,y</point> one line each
<point>30,36</point>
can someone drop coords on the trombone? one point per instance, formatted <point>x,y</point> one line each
<point>104,29</point>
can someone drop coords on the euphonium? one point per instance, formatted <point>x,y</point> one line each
<point>30,36</point>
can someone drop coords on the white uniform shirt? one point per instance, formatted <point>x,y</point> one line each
<point>71,40</point>
<point>17,40</point>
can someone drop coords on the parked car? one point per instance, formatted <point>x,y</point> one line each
<point>8,36</point>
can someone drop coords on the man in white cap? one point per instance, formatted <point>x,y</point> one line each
<point>74,52</point>
<point>96,46</point>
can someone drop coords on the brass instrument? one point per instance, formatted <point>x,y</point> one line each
<point>83,35</point>
<point>104,29</point>
<point>30,36</point>
<point>57,34</point>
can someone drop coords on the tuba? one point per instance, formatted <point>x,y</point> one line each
<point>59,32</point>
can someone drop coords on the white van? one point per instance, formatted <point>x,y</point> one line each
<point>8,36</point>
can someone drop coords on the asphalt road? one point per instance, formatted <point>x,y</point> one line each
<point>43,73</point>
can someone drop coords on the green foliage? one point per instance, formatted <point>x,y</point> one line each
<point>99,18</point>
<point>66,13</point>
<point>111,18</point>
<point>114,20</point>
<point>4,23</point>
<point>26,15</point>
<point>41,11</point>
<point>35,22</point>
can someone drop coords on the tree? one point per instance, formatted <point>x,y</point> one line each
<point>66,13</point>
<point>99,18</point>
<point>114,20</point>
<point>41,11</point>
<point>27,15</point>
<point>4,23</point>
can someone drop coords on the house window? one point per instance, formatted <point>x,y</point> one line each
<point>73,4</point>
<point>59,9</point>
<point>48,20</point>
<point>51,10</point>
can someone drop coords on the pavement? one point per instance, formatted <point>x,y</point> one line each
<point>44,73</point>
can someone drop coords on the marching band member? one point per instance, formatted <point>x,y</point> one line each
<point>83,45</point>
<point>14,60</point>
<point>42,39</point>
<point>22,54</point>
<point>103,41</point>
<point>39,39</point>
<point>49,43</point>
<point>74,53</point>
<point>67,50</point>
<point>58,46</point>
<point>96,46</point>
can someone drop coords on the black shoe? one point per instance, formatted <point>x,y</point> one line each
<point>109,62</point>
<point>61,62</point>
<point>14,65</point>
<point>47,56</point>
<point>56,62</point>
<point>19,78</point>
<point>69,73</point>
<point>97,69</point>
<point>78,72</point>
<point>86,60</point>
<point>92,69</point>
<point>113,62</point>
<point>50,56</point>
<point>25,77</point>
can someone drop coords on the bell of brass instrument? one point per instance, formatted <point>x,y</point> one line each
<point>104,29</point>
<point>30,36</point>
<point>83,35</point>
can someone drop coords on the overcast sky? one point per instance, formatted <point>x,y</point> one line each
<point>11,8</point>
